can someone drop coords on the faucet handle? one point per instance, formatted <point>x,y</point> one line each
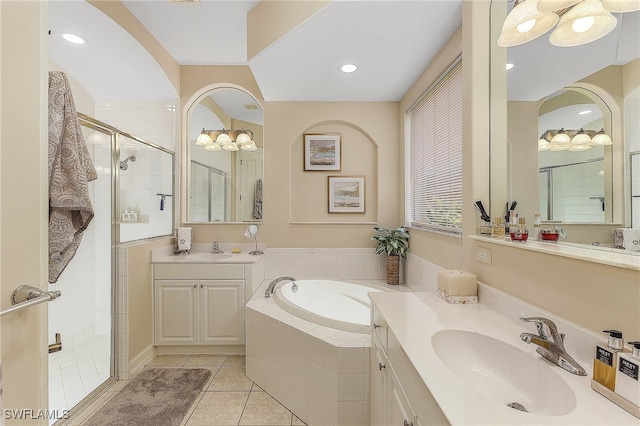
<point>540,323</point>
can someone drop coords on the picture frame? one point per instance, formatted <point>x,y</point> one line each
<point>346,194</point>
<point>322,152</point>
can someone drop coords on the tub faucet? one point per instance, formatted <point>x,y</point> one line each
<point>215,249</point>
<point>272,285</point>
<point>551,344</point>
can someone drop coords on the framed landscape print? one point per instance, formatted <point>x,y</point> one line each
<point>322,152</point>
<point>346,194</point>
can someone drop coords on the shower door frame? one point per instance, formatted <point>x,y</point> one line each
<point>115,135</point>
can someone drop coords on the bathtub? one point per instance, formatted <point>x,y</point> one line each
<point>336,304</point>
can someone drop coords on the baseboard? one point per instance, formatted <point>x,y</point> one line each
<point>142,359</point>
<point>200,349</point>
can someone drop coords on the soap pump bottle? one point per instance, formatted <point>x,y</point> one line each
<point>125,216</point>
<point>606,360</point>
<point>133,216</point>
<point>627,381</point>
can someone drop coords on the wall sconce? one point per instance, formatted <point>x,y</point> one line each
<point>579,21</point>
<point>572,140</point>
<point>228,140</point>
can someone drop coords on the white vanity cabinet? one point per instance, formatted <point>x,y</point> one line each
<point>199,304</point>
<point>398,396</point>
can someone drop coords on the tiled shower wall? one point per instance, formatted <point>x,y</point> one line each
<point>152,172</point>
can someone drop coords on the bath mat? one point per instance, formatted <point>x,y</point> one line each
<point>156,396</point>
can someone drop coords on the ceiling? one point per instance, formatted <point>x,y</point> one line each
<point>391,42</point>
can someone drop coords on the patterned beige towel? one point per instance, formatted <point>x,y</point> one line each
<point>70,170</point>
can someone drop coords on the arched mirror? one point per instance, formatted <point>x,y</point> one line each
<point>224,158</point>
<point>574,158</point>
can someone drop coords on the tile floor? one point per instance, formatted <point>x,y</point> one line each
<point>229,398</point>
<point>77,371</point>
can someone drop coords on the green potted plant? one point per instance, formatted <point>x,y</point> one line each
<point>394,244</point>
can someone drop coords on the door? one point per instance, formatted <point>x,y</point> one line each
<point>222,312</point>
<point>176,312</point>
<point>23,204</point>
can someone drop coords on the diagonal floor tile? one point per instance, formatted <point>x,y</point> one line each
<point>262,409</point>
<point>230,379</point>
<point>218,408</point>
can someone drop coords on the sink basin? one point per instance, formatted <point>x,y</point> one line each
<point>504,372</point>
<point>203,257</point>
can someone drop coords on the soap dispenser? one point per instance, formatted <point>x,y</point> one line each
<point>606,360</point>
<point>133,216</point>
<point>627,384</point>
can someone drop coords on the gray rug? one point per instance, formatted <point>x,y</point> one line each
<point>156,396</point>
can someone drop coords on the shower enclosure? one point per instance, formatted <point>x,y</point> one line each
<point>83,320</point>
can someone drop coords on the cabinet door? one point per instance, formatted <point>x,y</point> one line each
<point>222,312</point>
<point>176,312</point>
<point>400,411</point>
<point>378,385</point>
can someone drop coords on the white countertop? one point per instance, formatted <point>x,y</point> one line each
<point>166,255</point>
<point>415,317</point>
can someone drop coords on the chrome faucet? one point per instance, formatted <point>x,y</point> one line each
<point>551,344</point>
<point>215,249</point>
<point>272,285</point>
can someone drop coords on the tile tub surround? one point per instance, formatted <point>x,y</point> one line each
<point>319,373</point>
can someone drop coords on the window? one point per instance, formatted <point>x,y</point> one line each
<point>434,155</point>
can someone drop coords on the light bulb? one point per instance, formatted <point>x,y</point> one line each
<point>526,26</point>
<point>583,24</point>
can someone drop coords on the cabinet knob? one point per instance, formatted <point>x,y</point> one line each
<point>407,423</point>
<point>381,366</point>
<point>376,325</point>
<point>195,285</point>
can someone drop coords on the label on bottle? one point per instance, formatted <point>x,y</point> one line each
<point>628,368</point>
<point>604,356</point>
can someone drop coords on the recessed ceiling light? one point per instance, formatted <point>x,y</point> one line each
<point>72,38</point>
<point>584,112</point>
<point>348,68</point>
<point>509,66</point>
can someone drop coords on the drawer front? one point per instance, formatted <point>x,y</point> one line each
<point>379,326</point>
<point>197,271</point>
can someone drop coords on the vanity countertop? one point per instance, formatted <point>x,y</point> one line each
<point>200,253</point>
<point>415,317</point>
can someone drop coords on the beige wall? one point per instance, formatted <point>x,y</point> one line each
<point>23,190</point>
<point>140,297</point>
<point>371,147</point>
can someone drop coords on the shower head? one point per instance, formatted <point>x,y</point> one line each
<point>123,163</point>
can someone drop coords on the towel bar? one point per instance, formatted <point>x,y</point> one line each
<point>25,296</point>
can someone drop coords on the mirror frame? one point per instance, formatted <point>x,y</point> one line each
<point>185,167</point>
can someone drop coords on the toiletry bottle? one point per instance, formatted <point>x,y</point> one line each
<point>627,382</point>
<point>133,216</point>
<point>606,360</point>
<point>535,232</point>
<point>125,216</point>
<point>519,232</point>
<point>497,229</point>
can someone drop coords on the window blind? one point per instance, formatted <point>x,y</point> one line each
<point>435,155</point>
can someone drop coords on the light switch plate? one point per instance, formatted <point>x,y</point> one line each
<point>483,255</point>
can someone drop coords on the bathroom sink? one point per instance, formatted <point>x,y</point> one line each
<point>204,257</point>
<point>504,372</point>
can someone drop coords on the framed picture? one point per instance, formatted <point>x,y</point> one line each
<point>346,194</point>
<point>322,152</point>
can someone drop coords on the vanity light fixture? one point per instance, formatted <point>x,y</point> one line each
<point>601,139</point>
<point>579,21</point>
<point>572,140</point>
<point>73,38</point>
<point>204,138</point>
<point>228,140</point>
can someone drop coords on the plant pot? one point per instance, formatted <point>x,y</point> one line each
<point>393,270</point>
